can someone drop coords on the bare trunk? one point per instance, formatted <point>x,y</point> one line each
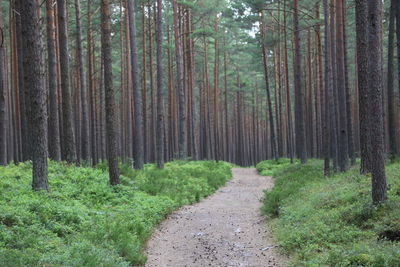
<point>109,93</point>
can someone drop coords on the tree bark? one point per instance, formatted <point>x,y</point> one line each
<point>69,148</point>
<point>160,88</point>
<point>138,109</point>
<point>299,92</point>
<point>34,79</point>
<point>3,151</point>
<point>85,152</point>
<point>341,88</point>
<point>54,123</point>
<point>363,84</point>
<point>266,78</point>
<point>377,167</point>
<point>182,146</point>
<point>111,130</point>
<point>390,83</point>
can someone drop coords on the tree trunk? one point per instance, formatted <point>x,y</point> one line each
<point>349,102</point>
<point>363,85</point>
<point>390,83</point>
<point>160,88</point>
<point>299,92</point>
<point>341,88</point>
<point>83,87</point>
<point>3,151</point>
<point>69,148</point>
<point>328,92</point>
<point>377,167</point>
<point>34,79</point>
<point>266,78</point>
<point>180,85</point>
<point>109,92</point>
<point>138,109</point>
<point>54,124</point>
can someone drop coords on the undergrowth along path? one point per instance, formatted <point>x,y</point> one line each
<point>225,229</point>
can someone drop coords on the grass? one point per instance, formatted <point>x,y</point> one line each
<point>331,221</point>
<point>83,221</point>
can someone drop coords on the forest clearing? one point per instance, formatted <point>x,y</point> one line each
<point>199,133</point>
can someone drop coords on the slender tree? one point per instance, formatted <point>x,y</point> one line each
<point>160,88</point>
<point>299,93</point>
<point>3,154</point>
<point>138,134</point>
<point>85,152</point>
<point>180,85</point>
<point>54,124</point>
<point>341,89</point>
<point>111,127</point>
<point>69,149</point>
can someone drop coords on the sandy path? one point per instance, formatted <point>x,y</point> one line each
<point>225,229</point>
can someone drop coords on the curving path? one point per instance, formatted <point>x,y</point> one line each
<point>226,229</point>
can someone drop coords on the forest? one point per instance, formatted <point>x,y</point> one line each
<point>146,132</point>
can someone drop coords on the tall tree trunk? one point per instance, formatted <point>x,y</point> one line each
<point>363,84</point>
<point>299,92</point>
<point>3,152</point>
<point>341,88</point>
<point>109,92</point>
<point>138,109</point>
<point>54,124</point>
<point>85,138</point>
<point>287,85</point>
<point>34,79</point>
<point>377,167</point>
<point>391,99</point>
<point>69,148</point>
<point>328,92</point>
<point>349,102</point>
<point>160,88</point>
<point>266,78</point>
<point>216,92</point>
<point>92,93</point>
<point>144,89</point>
<point>180,85</point>
<point>25,133</point>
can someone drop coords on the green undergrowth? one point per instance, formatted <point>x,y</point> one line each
<point>83,221</point>
<point>331,221</point>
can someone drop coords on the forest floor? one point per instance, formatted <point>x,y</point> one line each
<point>225,229</point>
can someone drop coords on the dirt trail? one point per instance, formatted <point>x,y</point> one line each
<point>225,229</point>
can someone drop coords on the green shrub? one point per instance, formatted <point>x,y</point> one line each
<point>83,221</point>
<point>331,221</point>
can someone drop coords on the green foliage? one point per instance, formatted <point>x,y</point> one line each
<point>268,167</point>
<point>331,221</point>
<point>83,221</point>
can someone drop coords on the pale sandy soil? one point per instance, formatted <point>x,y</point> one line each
<point>226,229</point>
